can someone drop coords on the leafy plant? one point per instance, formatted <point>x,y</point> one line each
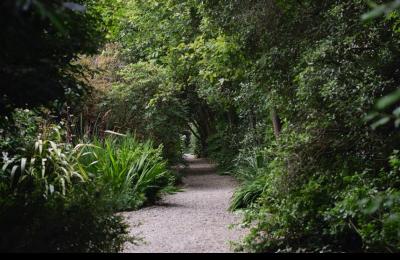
<point>52,166</point>
<point>49,203</point>
<point>134,172</point>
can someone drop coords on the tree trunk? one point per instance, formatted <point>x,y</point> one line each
<point>276,122</point>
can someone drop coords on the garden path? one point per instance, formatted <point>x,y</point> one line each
<point>194,221</point>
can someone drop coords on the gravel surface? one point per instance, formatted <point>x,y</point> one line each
<point>194,221</point>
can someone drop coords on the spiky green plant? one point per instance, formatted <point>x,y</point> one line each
<point>247,194</point>
<point>52,165</point>
<point>251,170</point>
<point>50,203</point>
<point>134,172</point>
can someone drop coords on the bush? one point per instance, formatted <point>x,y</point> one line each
<point>49,203</point>
<point>133,172</point>
<point>369,207</point>
<point>41,41</point>
<point>77,222</point>
<point>19,130</point>
<point>141,101</point>
<point>345,212</point>
<point>247,194</point>
<point>221,148</point>
<point>250,167</point>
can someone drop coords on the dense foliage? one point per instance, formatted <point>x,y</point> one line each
<point>328,183</point>
<point>65,195</point>
<point>49,203</point>
<point>279,93</point>
<point>133,173</point>
<point>298,99</point>
<point>62,183</point>
<point>41,39</point>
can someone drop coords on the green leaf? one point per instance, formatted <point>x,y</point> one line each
<point>388,100</point>
<point>63,188</point>
<point>373,205</point>
<point>396,112</point>
<point>6,164</point>
<point>380,122</point>
<point>13,171</point>
<point>379,10</point>
<point>51,188</point>
<point>23,165</point>
<point>397,123</point>
<point>113,133</point>
<point>74,7</point>
<point>371,116</point>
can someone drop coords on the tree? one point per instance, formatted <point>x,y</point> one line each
<point>40,42</point>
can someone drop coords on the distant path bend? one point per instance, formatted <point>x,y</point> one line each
<point>195,220</point>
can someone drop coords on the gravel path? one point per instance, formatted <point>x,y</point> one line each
<point>194,221</point>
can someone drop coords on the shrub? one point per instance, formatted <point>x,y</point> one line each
<point>343,212</point>
<point>77,222</point>
<point>141,100</point>
<point>133,172</point>
<point>250,168</point>
<point>247,194</point>
<point>19,130</point>
<point>48,202</point>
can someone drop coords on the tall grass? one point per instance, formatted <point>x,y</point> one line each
<point>250,169</point>
<point>247,194</point>
<point>133,172</point>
